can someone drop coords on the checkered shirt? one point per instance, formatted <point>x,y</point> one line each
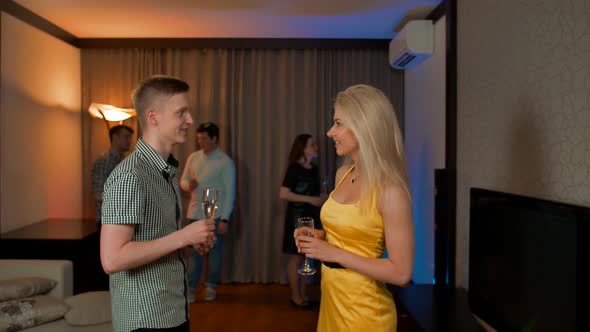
<point>143,190</point>
<point>101,169</point>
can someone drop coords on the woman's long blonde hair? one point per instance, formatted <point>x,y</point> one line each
<point>370,116</point>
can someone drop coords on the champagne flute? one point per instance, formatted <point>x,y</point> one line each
<point>305,270</point>
<point>209,202</point>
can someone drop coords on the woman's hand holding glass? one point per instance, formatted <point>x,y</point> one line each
<point>315,246</point>
<point>306,225</point>
<point>315,233</point>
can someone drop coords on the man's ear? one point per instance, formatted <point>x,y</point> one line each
<point>152,117</point>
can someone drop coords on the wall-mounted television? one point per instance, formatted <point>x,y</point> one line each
<point>528,263</point>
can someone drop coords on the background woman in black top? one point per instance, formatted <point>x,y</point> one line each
<point>301,190</point>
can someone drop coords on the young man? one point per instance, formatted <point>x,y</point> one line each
<point>142,238</point>
<point>209,167</point>
<point>102,167</point>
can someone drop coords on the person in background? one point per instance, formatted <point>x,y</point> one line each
<point>142,240</point>
<point>120,137</point>
<point>301,191</point>
<point>367,213</point>
<point>209,167</point>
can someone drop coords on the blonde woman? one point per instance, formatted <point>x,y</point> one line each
<point>368,212</point>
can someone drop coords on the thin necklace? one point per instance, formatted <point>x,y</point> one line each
<point>353,177</point>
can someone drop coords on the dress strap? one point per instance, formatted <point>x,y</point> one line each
<point>344,176</point>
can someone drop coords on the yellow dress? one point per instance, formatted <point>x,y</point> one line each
<point>352,301</point>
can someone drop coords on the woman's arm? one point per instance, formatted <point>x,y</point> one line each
<point>287,195</point>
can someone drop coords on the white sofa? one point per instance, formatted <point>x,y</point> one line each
<point>58,270</point>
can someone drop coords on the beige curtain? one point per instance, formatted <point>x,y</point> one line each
<point>261,99</point>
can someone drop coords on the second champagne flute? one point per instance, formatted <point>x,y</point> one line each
<point>306,269</point>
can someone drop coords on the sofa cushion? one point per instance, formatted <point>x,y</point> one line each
<point>89,308</point>
<point>18,288</point>
<point>31,311</point>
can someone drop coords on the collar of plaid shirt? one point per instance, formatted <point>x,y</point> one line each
<point>167,168</point>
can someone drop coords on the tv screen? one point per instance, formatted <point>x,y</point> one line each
<point>528,262</point>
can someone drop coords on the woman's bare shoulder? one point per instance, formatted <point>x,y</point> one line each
<point>393,192</point>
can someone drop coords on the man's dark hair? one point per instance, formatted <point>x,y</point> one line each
<point>152,87</point>
<point>210,128</point>
<point>116,130</point>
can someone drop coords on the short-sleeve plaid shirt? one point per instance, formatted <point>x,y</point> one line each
<point>143,190</point>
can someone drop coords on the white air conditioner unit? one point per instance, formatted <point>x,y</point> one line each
<point>412,45</point>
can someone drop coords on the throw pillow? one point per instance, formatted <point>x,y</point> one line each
<point>89,308</point>
<point>28,312</point>
<point>18,288</point>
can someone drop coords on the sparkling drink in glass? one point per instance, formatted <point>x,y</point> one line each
<point>209,202</point>
<point>306,269</point>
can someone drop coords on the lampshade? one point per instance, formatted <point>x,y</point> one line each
<point>111,113</point>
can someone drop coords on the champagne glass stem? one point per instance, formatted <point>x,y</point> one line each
<point>306,266</point>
